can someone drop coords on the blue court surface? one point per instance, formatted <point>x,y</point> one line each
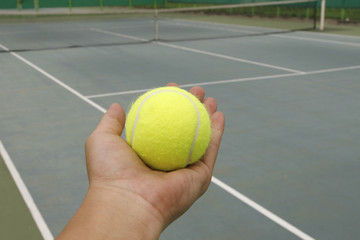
<point>289,162</point>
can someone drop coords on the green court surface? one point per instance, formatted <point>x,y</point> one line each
<point>289,161</point>
<point>16,221</point>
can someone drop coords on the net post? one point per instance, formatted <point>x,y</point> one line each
<point>156,23</point>
<point>322,16</point>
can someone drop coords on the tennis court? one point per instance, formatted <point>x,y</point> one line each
<point>288,167</point>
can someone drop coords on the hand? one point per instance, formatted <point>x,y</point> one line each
<point>134,201</point>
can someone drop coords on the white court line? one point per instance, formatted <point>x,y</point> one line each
<point>198,84</point>
<point>103,110</point>
<point>228,57</point>
<point>233,26</point>
<point>231,81</point>
<point>120,35</point>
<point>318,40</point>
<point>199,51</point>
<point>17,178</point>
<point>29,201</point>
<point>270,77</point>
<point>216,26</point>
<point>67,87</point>
<point>334,70</point>
<point>262,210</point>
<point>239,29</point>
<point>118,93</point>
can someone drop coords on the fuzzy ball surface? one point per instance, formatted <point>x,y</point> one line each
<point>169,128</point>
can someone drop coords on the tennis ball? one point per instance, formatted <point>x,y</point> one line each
<point>169,128</point>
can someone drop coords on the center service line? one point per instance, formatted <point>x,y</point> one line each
<point>199,51</point>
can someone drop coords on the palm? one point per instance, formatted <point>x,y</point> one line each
<point>120,168</point>
<point>112,164</point>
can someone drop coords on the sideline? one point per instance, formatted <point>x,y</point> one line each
<point>29,201</point>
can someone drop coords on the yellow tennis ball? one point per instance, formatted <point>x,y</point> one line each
<point>169,128</point>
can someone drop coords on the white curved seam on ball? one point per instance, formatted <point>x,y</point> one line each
<point>138,113</point>
<point>197,128</point>
<point>197,125</point>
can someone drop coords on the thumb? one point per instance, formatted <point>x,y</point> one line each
<point>113,120</point>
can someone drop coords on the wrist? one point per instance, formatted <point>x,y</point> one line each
<point>110,213</point>
<point>129,212</point>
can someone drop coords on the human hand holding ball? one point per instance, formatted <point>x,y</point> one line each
<point>128,196</point>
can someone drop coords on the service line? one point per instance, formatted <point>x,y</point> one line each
<point>231,81</point>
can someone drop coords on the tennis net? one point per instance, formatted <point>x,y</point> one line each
<point>121,26</point>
